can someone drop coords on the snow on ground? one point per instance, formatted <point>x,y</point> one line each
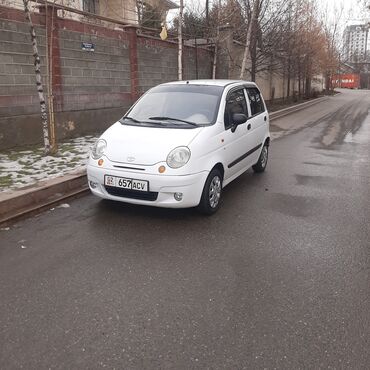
<point>19,168</point>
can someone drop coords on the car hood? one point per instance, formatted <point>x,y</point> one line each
<point>144,145</point>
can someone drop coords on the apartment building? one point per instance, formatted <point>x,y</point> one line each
<point>356,43</point>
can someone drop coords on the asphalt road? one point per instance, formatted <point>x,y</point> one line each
<point>279,278</point>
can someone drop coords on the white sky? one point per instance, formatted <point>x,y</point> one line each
<point>351,8</point>
<point>353,12</point>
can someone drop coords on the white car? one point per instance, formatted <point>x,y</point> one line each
<point>181,143</point>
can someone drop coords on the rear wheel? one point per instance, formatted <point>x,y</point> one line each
<point>261,164</point>
<point>211,196</point>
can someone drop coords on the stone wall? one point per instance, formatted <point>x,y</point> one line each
<point>157,62</point>
<point>91,89</point>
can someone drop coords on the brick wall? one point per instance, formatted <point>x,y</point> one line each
<point>91,89</point>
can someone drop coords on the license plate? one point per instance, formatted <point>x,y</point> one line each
<point>125,183</point>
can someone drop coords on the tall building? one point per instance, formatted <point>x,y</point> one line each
<point>356,43</point>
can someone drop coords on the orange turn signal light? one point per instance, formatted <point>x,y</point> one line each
<point>100,162</point>
<point>161,169</point>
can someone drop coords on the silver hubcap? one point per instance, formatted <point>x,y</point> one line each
<point>214,191</point>
<point>264,155</point>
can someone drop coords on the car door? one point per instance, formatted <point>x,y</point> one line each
<point>258,120</point>
<point>237,145</point>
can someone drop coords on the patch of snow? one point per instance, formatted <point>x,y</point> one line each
<point>27,167</point>
<point>64,205</point>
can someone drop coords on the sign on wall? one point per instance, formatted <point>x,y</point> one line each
<point>87,46</point>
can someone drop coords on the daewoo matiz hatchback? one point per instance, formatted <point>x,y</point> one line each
<point>181,143</point>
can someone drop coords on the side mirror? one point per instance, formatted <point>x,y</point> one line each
<point>238,119</point>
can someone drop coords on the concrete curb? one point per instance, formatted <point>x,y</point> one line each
<point>18,203</point>
<point>46,193</point>
<point>295,108</point>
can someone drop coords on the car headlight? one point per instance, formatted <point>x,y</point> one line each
<point>98,148</point>
<point>178,157</point>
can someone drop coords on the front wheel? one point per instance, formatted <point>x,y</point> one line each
<point>261,164</point>
<point>211,196</point>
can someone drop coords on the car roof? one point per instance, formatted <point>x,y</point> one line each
<point>222,83</point>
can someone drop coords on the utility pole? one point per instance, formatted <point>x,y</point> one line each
<point>180,39</point>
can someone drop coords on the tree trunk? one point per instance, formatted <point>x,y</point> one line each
<point>253,62</point>
<point>40,90</point>
<point>289,72</point>
<point>214,64</point>
<point>289,47</point>
<point>207,13</point>
<point>49,75</point>
<point>180,40</point>
<point>327,83</point>
<point>308,87</point>
<point>247,53</point>
<point>308,78</point>
<point>215,55</point>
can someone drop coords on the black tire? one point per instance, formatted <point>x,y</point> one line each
<point>211,195</point>
<point>261,164</point>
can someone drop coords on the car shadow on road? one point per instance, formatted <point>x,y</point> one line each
<point>113,208</point>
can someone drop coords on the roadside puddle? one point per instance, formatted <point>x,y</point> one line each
<point>361,136</point>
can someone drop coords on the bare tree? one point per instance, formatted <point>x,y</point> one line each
<point>331,27</point>
<point>40,90</point>
<point>263,39</point>
<point>256,5</point>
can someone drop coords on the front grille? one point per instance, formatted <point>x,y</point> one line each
<point>132,194</point>
<point>129,168</point>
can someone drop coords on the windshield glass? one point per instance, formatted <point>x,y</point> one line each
<point>173,105</point>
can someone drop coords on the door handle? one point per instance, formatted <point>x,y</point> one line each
<point>265,118</point>
<point>249,126</point>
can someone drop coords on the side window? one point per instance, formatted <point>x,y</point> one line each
<point>235,103</point>
<point>256,101</point>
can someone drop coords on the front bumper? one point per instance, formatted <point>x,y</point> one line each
<point>191,187</point>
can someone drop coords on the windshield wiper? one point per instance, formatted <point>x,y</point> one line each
<point>173,119</point>
<point>131,119</point>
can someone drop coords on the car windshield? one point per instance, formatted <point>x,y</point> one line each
<point>177,105</point>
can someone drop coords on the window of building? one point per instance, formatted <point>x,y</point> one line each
<point>91,6</point>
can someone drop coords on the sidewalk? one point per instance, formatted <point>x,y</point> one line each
<point>25,168</point>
